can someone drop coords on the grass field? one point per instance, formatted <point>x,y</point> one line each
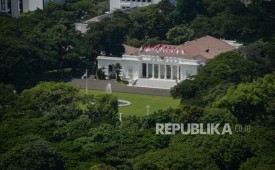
<point>140,101</point>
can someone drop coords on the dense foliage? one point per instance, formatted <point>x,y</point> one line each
<point>67,135</point>
<point>40,45</point>
<point>53,126</point>
<point>226,69</point>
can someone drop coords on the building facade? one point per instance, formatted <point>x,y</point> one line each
<point>147,66</point>
<point>162,66</point>
<point>125,4</point>
<point>16,7</point>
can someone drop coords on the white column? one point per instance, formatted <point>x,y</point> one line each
<point>165,72</point>
<point>182,73</point>
<point>153,71</point>
<point>171,72</point>
<point>159,71</point>
<point>147,70</point>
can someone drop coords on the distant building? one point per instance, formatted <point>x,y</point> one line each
<point>125,4</point>
<point>247,2</point>
<point>16,7</point>
<point>162,66</point>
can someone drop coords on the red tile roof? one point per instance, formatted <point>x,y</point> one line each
<point>207,46</point>
<point>131,50</point>
<point>203,48</point>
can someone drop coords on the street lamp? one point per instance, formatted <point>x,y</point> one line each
<point>120,117</point>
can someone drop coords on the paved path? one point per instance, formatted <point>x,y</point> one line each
<point>118,87</point>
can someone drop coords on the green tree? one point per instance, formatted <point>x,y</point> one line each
<point>202,25</point>
<point>8,98</point>
<point>187,114</point>
<point>217,115</point>
<point>74,129</point>
<point>118,71</point>
<point>252,101</point>
<point>179,34</point>
<point>100,74</point>
<point>102,166</point>
<point>32,154</point>
<point>104,109</point>
<point>45,96</point>
<point>188,9</point>
<point>261,53</point>
<point>226,69</point>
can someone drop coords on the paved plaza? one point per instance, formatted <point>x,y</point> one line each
<point>94,84</point>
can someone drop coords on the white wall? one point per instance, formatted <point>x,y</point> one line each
<point>32,5</point>
<point>114,4</point>
<point>118,4</point>
<point>15,8</point>
<point>185,69</point>
<point>135,65</point>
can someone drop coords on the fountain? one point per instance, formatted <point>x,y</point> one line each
<point>121,103</point>
<point>108,89</point>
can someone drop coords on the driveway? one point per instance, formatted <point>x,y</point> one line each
<point>117,87</point>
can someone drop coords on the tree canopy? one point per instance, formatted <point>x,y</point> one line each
<point>52,125</point>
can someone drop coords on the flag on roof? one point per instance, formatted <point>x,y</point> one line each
<point>141,49</point>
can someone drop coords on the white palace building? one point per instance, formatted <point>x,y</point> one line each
<point>163,66</point>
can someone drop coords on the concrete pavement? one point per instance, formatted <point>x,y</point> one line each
<point>117,87</point>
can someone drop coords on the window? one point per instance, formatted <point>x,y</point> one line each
<point>125,7</point>
<point>150,68</point>
<point>143,0</point>
<point>3,5</point>
<point>20,6</point>
<point>168,71</point>
<point>144,70</point>
<point>9,4</point>
<point>148,0</point>
<point>110,68</point>
<point>156,71</point>
<point>162,70</point>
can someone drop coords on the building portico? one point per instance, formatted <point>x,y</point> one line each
<point>150,67</point>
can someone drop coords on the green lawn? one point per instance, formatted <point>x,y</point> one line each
<point>140,101</point>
